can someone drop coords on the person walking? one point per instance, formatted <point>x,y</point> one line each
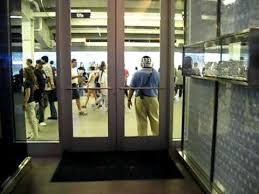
<point>146,100</point>
<point>102,100</point>
<point>75,93</point>
<point>40,97</point>
<point>91,85</point>
<point>50,87</point>
<point>179,82</point>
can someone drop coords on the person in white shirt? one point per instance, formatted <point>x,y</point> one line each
<point>102,80</point>
<point>75,93</point>
<point>91,86</point>
<point>50,87</point>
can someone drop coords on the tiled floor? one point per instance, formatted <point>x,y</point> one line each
<point>38,182</point>
<point>92,126</point>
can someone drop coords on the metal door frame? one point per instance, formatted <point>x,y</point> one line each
<point>116,139</point>
<point>149,142</point>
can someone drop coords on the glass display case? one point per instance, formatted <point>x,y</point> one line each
<point>234,63</point>
<point>233,57</point>
<point>212,58</point>
<point>238,15</point>
<point>201,20</point>
<point>193,61</point>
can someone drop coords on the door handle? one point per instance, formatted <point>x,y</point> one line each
<point>84,88</point>
<point>139,88</point>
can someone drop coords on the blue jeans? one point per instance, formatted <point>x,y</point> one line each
<point>41,109</point>
<point>53,111</point>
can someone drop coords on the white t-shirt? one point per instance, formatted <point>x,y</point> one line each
<point>103,81</point>
<point>73,74</point>
<point>49,73</point>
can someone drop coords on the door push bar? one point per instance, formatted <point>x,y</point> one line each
<point>139,88</point>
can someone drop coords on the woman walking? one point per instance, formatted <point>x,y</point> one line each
<point>91,86</point>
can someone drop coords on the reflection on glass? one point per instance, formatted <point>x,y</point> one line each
<point>142,30</point>
<point>34,71</point>
<point>193,63</point>
<point>201,20</point>
<point>211,59</point>
<point>89,69</point>
<point>234,62</point>
<point>238,15</point>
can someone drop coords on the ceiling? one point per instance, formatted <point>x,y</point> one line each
<point>142,23</point>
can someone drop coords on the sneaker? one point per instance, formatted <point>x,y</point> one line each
<point>43,124</point>
<point>82,113</point>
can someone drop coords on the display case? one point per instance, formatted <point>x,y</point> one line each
<point>201,20</point>
<point>233,57</point>
<point>193,61</point>
<point>238,15</point>
<point>212,57</point>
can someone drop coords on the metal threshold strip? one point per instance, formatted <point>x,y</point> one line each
<point>11,182</point>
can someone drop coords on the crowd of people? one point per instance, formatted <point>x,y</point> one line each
<point>40,92</point>
<point>39,83</point>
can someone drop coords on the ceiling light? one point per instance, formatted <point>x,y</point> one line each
<point>228,2</point>
<point>16,17</point>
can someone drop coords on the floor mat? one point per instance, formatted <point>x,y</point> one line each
<point>101,166</point>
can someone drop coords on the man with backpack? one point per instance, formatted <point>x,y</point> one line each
<point>146,100</point>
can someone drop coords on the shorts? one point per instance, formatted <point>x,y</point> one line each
<point>75,93</point>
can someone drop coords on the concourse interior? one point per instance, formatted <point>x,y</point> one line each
<point>33,39</point>
<point>93,49</point>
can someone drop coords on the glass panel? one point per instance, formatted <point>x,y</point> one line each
<point>199,122</point>
<point>178,100</point>
<point>89,68</point>
<point>237,148</point>
<point>234,63</point>
<point>33,37</point>
<point>142,31</point>
<point>237,15</point>
<point>211,59</point>
<point>194,60</point>
<point>201,20</point>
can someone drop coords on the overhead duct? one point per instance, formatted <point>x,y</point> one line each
<point>41,29</point>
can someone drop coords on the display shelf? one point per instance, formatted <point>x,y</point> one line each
<point>230,58</point>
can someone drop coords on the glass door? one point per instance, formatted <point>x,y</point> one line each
<point>86,71</point>
<point>141,97</point>
<point>101,47</point>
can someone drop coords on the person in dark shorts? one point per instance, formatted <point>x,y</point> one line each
<point>75,92</point>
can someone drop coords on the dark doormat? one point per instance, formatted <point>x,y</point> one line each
<point>101,166</point>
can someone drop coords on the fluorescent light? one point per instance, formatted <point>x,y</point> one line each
<point>16,17</point>
<point>80,11</point>
<point>228,2</point>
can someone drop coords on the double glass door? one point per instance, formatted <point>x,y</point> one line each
<point>100,45</point>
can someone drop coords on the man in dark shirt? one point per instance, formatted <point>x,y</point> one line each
<point>40,91</point>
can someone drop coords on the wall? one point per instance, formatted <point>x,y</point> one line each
<point>237,146</point>
<point>199,122</point>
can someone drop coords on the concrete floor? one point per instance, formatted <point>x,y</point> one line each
<point>95,124</point>
<point>38,182</point>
